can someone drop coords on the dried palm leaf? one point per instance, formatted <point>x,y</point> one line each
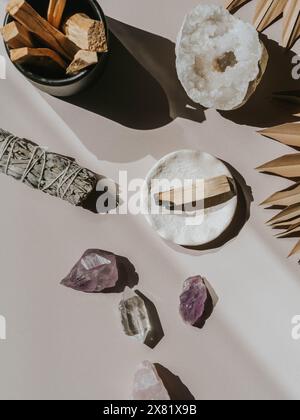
<point>267,11</point>
<point>291,23</point>
<point>287,166</point>
<point>291,231</point>
<point>234,4</point>
<point>288,134</point>
<point>295,250</point>
<point>285,198</point>
<point>287,224</point>
<point>288,214</point>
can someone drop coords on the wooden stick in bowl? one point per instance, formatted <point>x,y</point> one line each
<point>42,57</point>
<point>16,36</point>
<point>55,12</point>
<point>21,11</point>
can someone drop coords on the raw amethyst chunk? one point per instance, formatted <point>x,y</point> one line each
<point>95,271</point>
<point>193,300</point>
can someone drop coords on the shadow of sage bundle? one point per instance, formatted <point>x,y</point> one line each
<point>51,173</point>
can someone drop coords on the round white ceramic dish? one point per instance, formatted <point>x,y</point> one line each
<point>187,229</point>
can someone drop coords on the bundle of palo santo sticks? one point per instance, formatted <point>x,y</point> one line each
<point>48,42</point>
<point>268,11</point>
<point>288,166</point>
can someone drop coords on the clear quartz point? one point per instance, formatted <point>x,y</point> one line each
<point>134,316</point>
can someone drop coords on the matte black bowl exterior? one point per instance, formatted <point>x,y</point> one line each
<point>70,85</point>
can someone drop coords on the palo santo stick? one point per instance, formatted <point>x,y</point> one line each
<point>82,60</point>
<point>86,33</point>
<point>295,250</point>
<point>287,166</point>
<point>16,35</point>
<point>288,134</point>
<point>51,8</point>
<point>288,214</point>
<point>285,198</point>
<point>267,11</point>
<point>27,16</point>
<point>37,56</point>
<point>56,11</point>
<point>291,23</point>
<point>234,4</point>
<point>291,231</point>
<point>183,196</point>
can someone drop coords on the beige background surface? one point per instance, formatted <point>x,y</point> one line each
<point>62,344</point>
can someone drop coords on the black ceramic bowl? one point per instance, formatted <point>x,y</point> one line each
<point>65,85</point>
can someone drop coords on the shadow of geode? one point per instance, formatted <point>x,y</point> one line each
<point>173,384</point>
<point>139,88</point>
<point>261,110</point>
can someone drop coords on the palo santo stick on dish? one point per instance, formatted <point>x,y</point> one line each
<point>86,33</point>
<point>183,196</point>
<point>295,250</point>
<point>51,173</point>
<point>27,16</point>
<point>288,134</point>
<point>16,35</point>
<point>82,60</point>
<point>291,23</point>
<point>267,11</point>
<point>288,214</point>
<point>287,166</point>
<point>56,11</point>
<point>43,57</point>
<point>285,198</point>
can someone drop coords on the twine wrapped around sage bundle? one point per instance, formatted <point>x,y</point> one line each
<point>51,173</point>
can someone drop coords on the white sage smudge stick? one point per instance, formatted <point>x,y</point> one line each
<point>51,173</point>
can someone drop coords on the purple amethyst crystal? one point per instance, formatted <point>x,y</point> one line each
<point>193,300</point>
<point>95,271</point>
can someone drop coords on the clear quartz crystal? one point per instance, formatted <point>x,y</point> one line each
<point>134,316</point>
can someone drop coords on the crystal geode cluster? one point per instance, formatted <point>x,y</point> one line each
<point>220,59</point>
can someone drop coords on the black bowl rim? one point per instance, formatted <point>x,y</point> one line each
<point>70,79</point>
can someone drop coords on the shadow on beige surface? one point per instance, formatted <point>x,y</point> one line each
<point>139,88</point>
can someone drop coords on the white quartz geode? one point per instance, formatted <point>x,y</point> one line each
<point>219,58</point>
<point>200,227</point>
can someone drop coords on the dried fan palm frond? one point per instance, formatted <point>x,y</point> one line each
<point>287,166</point>
<point>267,11</point>
<point>288,214</point>
<point>286,224</point>
<point>285,198</point>
<point>291,23</point>
<point>291,231</point>
<point>234,4</point>
<point>295,250</point>
<point>288,134</point>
